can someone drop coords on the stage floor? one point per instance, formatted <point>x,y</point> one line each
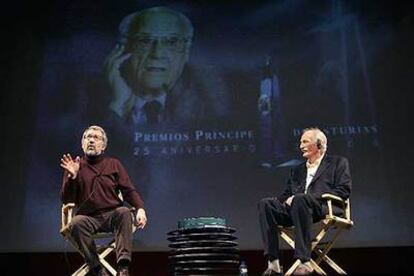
<point>381,260</point>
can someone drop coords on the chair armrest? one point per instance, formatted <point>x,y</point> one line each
<point>333,197</point>
<point>338,200</point>
<point>344,203</point>
<point>68,206</point>
<point>133,211</point>
<point>329,198</point>
<point>67,213</point>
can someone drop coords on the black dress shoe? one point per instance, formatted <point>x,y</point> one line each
<point>271,272</point>
<point>100,271</point>
<point>123,271</point>
<point>303,269</point>
<point>103,272</point>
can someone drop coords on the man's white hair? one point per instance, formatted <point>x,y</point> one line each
<point>320,138</point>
<point>125,25</point>
<point>101,130</point>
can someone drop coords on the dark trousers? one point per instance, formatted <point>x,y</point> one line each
<point>118,221</point>
<point>303,212</point>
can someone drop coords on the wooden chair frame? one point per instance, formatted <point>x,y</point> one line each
<point>103,252</point>
<point>331,224</point>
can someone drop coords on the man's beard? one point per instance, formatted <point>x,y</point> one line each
<point>93,152</point>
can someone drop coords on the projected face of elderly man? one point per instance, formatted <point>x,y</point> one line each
<point>159,41</point>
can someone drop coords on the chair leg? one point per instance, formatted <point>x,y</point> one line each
<point>288,239</point>
<point>322,233</point>
<point>107,266</point>
<point>292,268</point>
<point>329,246</point>
<point>82,271</point>
<point>330,262</point>
<point>322,254</point>
<point>103,255</point>
<point>314,265</point>
<point>107,250</point>
<point>317,268</point>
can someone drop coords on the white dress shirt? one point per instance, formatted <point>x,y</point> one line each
<point>311,171</point>
<point>138,113</point>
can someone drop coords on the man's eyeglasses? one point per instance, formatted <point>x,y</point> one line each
<point>172,43</point>
<point>95,137</point>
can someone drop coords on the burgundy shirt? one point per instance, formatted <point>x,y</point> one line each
<point>95,188</point>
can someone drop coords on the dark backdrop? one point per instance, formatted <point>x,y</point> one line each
<point>343,66</point>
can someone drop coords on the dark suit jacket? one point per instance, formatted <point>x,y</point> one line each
<point>333,176</point>
<point>200,94</point>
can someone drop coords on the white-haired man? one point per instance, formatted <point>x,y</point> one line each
<point>301,204</point>
<point>93,182</point>
<point>149,76</point>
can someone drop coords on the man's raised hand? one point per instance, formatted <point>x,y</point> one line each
<point>70,165</point>
<point>122,96</point>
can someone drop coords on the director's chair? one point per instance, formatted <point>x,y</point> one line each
<point>103,250</point>
<point>329,228</point>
